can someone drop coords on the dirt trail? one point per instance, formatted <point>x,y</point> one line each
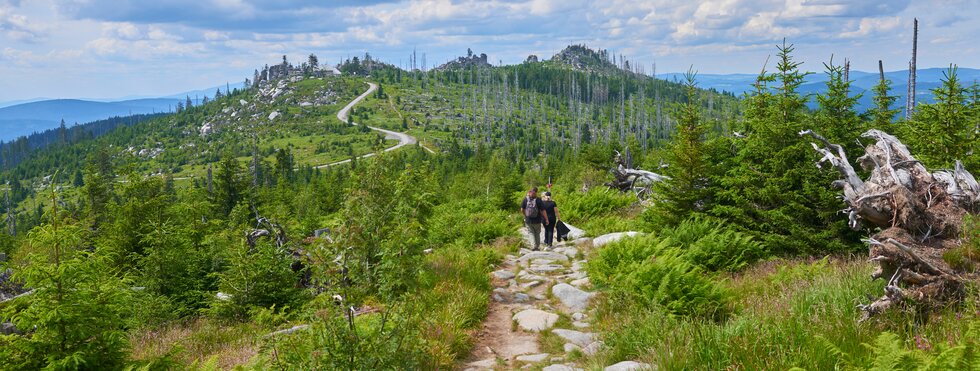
<point>535,291</point>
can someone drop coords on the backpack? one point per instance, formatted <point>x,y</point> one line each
<point>531,208</point>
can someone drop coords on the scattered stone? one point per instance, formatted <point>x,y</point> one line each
<point>543,255</point>
<point>628,366</point>
<point>612,237</point>
<point>521,298</point>
<point>501,295</point>
<point>578,316</point>
<point>242,102</point>
<point>573,298</point>
<point>575,337</point>
<point>504,274</point>
<point>535,319</point>
<point>532,357</point>
<point>569,347</point>
<point>486,363</point>
<point>273,115</point>
<point>594,348</point>
<point>526,276</point>
<point>580,324</point>
<point>582,282</point>
<point>531,284</point>
<point>7,328</point>
<point>582,241</point>
<point>578,265</point>
<point>545,268</point>
<point>570,252</point>
<point>574,233</point>
<point>542,261</point>
<point>305,104</point>
<point>540,296</point>
<point>560,368</point>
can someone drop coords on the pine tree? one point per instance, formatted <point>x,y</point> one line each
<point>687,190</point>
<point>772,190</point>
<point>835,117</point>
<point>230,184</point>
<point>942,132</point>
<point>78,306</point>
<point>882,114</point>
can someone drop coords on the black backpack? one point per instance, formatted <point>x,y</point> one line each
<point>531,208</point>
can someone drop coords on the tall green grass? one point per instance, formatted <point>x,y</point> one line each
<point>786,314</point>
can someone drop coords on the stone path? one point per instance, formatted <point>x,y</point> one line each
<point>537,292</point>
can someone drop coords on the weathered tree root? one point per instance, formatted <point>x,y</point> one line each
<point>919,216</point>
<point>635,180</point>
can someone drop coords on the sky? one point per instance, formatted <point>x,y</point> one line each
<point>127,48</point>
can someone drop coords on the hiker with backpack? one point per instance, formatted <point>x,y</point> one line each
<point>552,218</point>
<point>531,209</point>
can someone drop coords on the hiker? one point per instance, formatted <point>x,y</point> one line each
<point>550,209</point>
<point>531,210</point>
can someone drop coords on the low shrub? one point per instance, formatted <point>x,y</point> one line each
<point>653,271</point>
<point>598,201</point>
<point>712,246</point>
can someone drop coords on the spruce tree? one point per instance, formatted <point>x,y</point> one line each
<point>775,192</point>
<point>882,114</point>
<point>78,307</point>
<point>687,190</point>
<point>942,132</point>
<point>835,117</point>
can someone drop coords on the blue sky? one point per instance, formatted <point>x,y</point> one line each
<point>105,49</point>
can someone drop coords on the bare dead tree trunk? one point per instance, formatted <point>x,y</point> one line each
<point>628,179</point>
<point>910,103</point>
<point>881,71</point>
<point>919,215</point>
<point>11,221</point>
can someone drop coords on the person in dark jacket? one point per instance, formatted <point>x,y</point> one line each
<point>550,209</point>
<point>531,209</point>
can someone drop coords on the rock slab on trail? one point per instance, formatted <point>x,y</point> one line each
<point>582,339</point>
<point>575,299</point>
<point>628,366</point>
<point>535,319</point>
<point>612,237</point>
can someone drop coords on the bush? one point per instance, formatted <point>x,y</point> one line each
<point>467,223</point>
<point>575,206</point>
<point>653,271</point>
<point>257,278</point>
<point>712,246</point>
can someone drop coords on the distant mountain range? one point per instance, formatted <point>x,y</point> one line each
<point>926,80</point>
<point>25,117</point>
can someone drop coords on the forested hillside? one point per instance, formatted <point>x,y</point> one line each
<point>235,233</point>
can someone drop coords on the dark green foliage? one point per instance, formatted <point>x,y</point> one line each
<point>773,190</point>
<point>714,246</point>
<point>689,167</point>
<point>945,131</point>
<point>653,271</point>
<point>835,117</point>
<point>882,115</point>
<point>258,277</point>
<point>78,308</point>
<point>231,184</point>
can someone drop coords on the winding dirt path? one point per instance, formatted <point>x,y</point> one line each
<point>403,139</point>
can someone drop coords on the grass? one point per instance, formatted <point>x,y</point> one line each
<point>199,340</point>
<point>786,315</point>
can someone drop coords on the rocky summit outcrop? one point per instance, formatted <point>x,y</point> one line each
<point>469,61</point>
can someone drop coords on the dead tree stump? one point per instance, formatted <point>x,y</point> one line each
<point>916,216</point>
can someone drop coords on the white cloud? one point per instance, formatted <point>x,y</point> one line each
<point>18,27</point>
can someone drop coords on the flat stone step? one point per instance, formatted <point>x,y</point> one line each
<point>535,320</point>
<point>582,339</point>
